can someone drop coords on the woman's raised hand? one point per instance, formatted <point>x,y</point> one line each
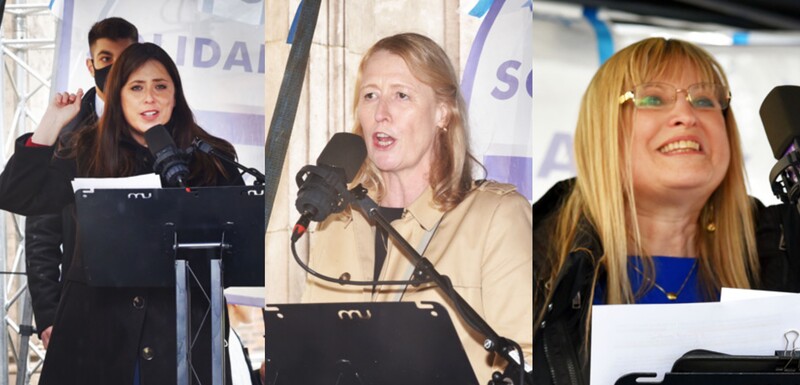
<point>63,108</point>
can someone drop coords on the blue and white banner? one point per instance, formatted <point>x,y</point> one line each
<point>220,57</point>
<point>566,55</point>
<point>498,88</point>
<point>568,50</point>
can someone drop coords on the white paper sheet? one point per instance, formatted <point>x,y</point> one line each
<point>138,181</point>
<point>649,338</point>
<point>246,295</point>
<point>731,294</point>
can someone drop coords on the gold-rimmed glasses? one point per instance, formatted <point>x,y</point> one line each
<point>656,95</point>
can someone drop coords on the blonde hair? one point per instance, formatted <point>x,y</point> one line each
<point>603,196</point>
<point>451,169</point>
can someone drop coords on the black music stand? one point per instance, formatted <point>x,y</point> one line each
<point>141,237</point>
<point>363,343</point>
<point>702,367</point>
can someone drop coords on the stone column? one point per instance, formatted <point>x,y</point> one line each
<point>344,31</point>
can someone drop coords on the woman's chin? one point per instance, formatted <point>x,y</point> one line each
<point>144,127</point>
<point>682,191</point>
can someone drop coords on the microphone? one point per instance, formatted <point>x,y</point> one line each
<point>323,187</point>
<point>780,113</point>
<point>206,148</point>
<point>170,163</point>
<point>781,117</point>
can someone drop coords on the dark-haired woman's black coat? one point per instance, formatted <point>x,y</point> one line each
<point>100,334</point>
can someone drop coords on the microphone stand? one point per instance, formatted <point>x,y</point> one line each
<point>425,271</point>
<point>204,147</point>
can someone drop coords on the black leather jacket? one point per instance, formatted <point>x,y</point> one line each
<point>99,332</point>
<point>557,340</point>
<point>44,236</point>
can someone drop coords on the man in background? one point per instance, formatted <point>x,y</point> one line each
<point>44,234</point>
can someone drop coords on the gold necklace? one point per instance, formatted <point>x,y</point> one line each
<point>672,296</point>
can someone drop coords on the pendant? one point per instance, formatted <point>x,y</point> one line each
<point>671,296</point>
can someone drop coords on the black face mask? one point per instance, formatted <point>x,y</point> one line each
<point>100,76</point>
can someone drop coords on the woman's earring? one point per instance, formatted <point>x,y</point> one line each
<point>710,225</point>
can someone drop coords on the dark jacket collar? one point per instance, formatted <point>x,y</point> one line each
<point>546,211</point>
<point>551,201</point>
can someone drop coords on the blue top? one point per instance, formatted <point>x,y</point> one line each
<point>670,275</point>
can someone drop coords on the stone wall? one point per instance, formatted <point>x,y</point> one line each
<point>344,31</point>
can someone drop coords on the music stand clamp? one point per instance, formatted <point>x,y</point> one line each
<point>425,271</point>
<point>701,367</point>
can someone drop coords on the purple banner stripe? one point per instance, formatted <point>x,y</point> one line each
<point>516,170</point>
<point>237,128</point>
<point>476,50</point>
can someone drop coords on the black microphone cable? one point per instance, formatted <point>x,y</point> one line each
<point>343,282</point>
<point>521,355</point>
<point>421,279</point>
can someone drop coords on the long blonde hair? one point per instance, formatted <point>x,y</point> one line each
<point>603,196</point>
<point>451,169</point>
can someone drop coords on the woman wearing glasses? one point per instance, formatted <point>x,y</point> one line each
<point>658,213</point>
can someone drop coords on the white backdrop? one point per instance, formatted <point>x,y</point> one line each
<point>217,45</point>
<point>497,86</point>
<point>566,55</point>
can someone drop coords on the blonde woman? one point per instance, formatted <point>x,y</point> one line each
<point>411,114</point>
<point>658,213</point>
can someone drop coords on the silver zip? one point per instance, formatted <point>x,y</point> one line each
<point>549,359</point>
<point>573,376</point>
<point>576,302</point>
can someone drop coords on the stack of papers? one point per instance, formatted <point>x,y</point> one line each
<point>131,182</point>
<point>649,338</point>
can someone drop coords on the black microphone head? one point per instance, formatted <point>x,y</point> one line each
<point>157,139</point>
<point>780,114</point>
<point>346,151</point>
<point>169,163</point>
<point>322,187</point>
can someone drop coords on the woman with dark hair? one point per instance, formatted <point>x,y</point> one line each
<point>113,335</point>
<point>409,109</point>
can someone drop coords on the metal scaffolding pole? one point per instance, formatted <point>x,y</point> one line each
<point>24,80</point>
<point>3,251</point>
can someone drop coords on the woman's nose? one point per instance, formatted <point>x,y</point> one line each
<point>683,111</point>
<point>381,110</point>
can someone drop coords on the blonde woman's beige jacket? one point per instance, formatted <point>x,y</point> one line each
<point>485,246</point>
